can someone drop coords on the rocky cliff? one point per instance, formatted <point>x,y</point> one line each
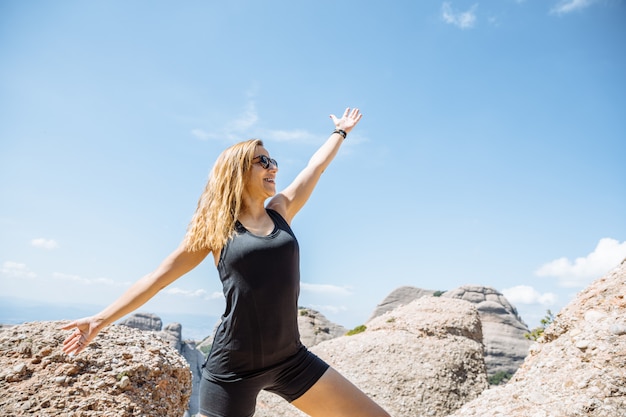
<point>503,329</point>
<point>315,327</point>
<point>423,359</point>
<point>399,297</point>
<point>578,367</point>
<point>124,372</point>
<point>172,333</point>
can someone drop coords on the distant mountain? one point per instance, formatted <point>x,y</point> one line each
<point>18,311</point>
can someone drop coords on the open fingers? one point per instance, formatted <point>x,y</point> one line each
<point>75,343</point>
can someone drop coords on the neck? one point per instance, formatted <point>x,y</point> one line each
<point>254,208</point>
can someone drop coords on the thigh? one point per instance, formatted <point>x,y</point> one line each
<point>297,375</point>
<point>227,399</point>
<point>335,396</point>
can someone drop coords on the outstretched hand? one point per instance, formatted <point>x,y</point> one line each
<point>85,330</point>
<point>348,120</point>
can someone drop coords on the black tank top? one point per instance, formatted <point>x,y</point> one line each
<point>261,280</point>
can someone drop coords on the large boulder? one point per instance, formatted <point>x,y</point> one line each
<point>425,358</point>
<point>578,367</point>
<point>503,328</point>
<point>172,334</point>
<point>123,372</point>
<point>506,347</point>
<point>315,328</point>
<point>144,321</point>
<point>399,297</point>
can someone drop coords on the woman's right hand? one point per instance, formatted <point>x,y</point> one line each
<point>348,120</point>
<point>85,330</point>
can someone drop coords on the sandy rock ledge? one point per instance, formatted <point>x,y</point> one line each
<point>124,372</point>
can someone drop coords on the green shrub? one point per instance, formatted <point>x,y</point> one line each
<point>537,332</point>
<point>356,330</point>
<point>438,293</point>
<point>205,349</point>
<point>500,377</point>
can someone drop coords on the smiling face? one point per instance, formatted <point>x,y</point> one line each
<point>260,182</point>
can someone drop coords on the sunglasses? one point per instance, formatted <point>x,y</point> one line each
<point>266,161</point>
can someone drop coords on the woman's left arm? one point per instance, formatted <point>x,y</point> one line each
<point>289,201</point>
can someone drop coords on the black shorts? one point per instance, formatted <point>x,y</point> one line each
<point>289,379</point>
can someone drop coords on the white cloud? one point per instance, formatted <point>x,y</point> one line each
<point>580,272</point>
<point>568,6</point>
<point>291,136</point>
<point>241,127</point>
<point>16,270</point>
<point>216,295</point>
<point>494,20</point>
<point>199,293</point>
<point>247,119</point>
<point>463,20</point>
<point>44,243</point>
<point>233,130</point>
<point>325,289</point>
<point>202,135</point>
<point>329,309</point>
<point>525,294</point>
<point>89,281</point>
<point>246,125</point>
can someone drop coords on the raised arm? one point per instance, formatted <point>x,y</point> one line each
<point>174,266</point>
<point>289,201</point>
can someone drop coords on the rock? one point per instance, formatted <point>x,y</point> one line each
<point>422,359</point>
<point>577,368</point>
<point>195,359</point>
<point>172,334</point>
<point>144,321</point>
<point>399,297</point>
<point>503,329</point>
<point>315,327</point>
<point>123,372</point>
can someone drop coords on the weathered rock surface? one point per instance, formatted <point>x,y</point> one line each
<point>315,327</point>
<point>172,334</point>
<point>578,368</point>
<point>503,328</point>
<point>422,359</point>
<point>124,372</point>
<point>399,297</point>
<point>144,321</point>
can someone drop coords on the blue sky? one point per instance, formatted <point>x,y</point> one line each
<point>491,150</point>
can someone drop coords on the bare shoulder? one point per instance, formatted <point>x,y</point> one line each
<point>279,203</point>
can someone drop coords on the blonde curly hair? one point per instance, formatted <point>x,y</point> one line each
<point>213,223</point>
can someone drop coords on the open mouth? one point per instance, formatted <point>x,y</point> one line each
<point>269,180</point>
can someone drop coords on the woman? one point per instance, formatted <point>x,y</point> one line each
<point>257,346</point>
